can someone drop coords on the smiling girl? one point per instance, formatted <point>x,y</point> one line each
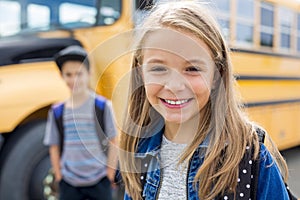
<point>185,134</point>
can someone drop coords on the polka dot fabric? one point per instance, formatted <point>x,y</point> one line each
<point>245,180</point>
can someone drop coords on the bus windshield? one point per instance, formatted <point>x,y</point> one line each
<point>29,16</point>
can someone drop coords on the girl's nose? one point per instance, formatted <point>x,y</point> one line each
<point>175,81</point>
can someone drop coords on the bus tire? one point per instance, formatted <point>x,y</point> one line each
<point>26,163</point>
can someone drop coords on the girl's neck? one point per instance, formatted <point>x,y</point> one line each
<point>77,100</point>
<point>181,132</point>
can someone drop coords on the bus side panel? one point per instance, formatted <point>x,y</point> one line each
<point>280,121</point>
<point>26,88</point>
<point>269,86</point>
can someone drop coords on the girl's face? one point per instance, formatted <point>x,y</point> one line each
<point>178,73</point>
<point>76,77</point>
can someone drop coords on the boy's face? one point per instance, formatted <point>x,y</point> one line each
<point>76,76</point>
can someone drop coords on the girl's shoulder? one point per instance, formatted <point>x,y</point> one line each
<point>270,178</point>
<point>265,158</point>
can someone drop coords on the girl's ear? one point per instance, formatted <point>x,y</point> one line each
<point>215,80</point>
<point>140,71</point>
<point>139,68</point>
<point>214,84</point>
<point>138,74</point>
<point>219,72</point>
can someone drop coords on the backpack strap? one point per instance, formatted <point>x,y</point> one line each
<point>248,175</point>
<point>255,168</point>
<point>261,135</point>
<point>58,117</point>
<point>99,121</point>
<point>100,103</point>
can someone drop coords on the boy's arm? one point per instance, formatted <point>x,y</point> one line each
<point>55,161</point>
<point>111,134</point>
<point>112,159</point>
<point>51,139</point>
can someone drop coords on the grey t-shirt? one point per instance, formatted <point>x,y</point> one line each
<point>83,162</point>
<point>174,175</point>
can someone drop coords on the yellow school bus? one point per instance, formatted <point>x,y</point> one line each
<point>31,32</point>
<point>264,36</point>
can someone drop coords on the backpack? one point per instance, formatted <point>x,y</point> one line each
<point>99,122</point>
<point>250,180</point>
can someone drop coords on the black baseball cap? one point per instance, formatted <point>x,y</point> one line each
<point>71,53</point>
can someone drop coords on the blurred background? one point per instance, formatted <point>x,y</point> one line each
<point>264,36</point>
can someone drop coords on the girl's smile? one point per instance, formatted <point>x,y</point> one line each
<point>175,103</point>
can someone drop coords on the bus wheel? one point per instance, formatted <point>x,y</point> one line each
<point>26,163</point>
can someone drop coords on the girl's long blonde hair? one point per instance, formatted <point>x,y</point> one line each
<point>224,120</point>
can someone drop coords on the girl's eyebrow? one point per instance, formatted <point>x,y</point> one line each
<point>187,61</point>
<point>196,60</point>
<point>155,60</point>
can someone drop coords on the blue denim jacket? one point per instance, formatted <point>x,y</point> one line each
<point>270,183</point>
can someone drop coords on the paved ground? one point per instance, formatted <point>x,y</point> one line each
<point>292,157</point>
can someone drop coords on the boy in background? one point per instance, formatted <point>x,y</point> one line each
<point>82,168</point>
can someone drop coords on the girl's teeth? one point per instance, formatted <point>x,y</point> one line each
<point>179,102</point>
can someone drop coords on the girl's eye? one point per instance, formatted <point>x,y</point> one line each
<point>193,69</point>
<point>157,68</point>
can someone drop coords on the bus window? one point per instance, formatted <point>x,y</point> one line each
<point>42,11</point>
<point>10,18</point>
<point>224,24</point>
<point>30,16</point>
<point>245,24</point>
<point>266,24</point>
<point>84,15</point>
<point>109,12</point>
<point>245,8</point>
<point>285,25</point>
<point>223,5</point>
<point>75,15</point>
<point>223,16</point>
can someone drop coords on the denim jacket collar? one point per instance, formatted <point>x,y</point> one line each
<point>150,144</point>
